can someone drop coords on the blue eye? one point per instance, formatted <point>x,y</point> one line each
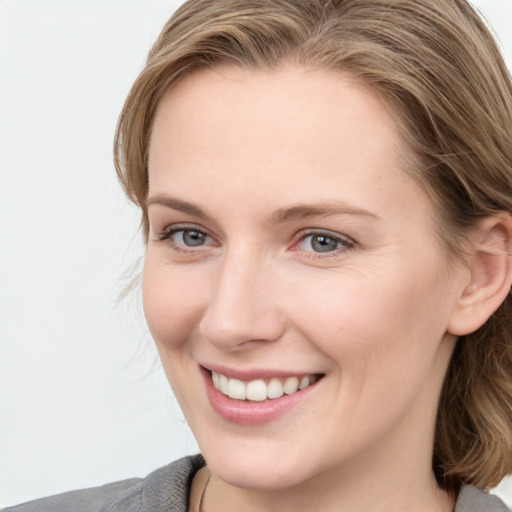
<point>181,238</point>
<point>324,243</point>
<point>190,237</point>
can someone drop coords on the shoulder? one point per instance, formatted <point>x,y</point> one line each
<point>165,489</point>
<point>473,500</point>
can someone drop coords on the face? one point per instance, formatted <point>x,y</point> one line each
<point>288,248</point>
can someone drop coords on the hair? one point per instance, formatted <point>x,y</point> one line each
<point>438,68</point>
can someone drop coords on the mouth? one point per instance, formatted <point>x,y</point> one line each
<point>259,390</point>
<point>256,397</point>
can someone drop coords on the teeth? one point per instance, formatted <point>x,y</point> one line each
<point>236,389</point>
<point>275,389</point>
<point>291,385</point>
<point>223,384</point>
<point>304,382</point>
<point>215,378</point>
<point>256,390</point>
<point>259,390</point>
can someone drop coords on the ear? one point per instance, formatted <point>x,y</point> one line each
<point>490,275</point>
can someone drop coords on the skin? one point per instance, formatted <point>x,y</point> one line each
<point>373,315</point>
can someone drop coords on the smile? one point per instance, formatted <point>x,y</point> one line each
<point>261,389</point>
<point>256,397</point>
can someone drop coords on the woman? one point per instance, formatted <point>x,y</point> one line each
<point>326,190</point>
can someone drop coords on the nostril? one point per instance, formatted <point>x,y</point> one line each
<point>233,335</point>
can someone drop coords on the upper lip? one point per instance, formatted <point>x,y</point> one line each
<point>254,373</point>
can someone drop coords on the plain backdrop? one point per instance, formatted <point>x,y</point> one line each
<point>83,400</point>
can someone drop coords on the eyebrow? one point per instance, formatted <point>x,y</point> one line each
<point>178,205</point>
<point>303,211</point>
<point>285,214</point>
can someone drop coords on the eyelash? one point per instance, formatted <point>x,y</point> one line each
<point>168,233</point>
<point>345,243</point>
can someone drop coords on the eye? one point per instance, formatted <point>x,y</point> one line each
<point>323,243</point>
<point>184,239</point>
<point>190,237</point>
<point>320,243</point>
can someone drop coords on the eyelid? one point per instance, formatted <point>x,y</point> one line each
<point>347,242</point>
<point>165,236</point>
<point>182,226</point>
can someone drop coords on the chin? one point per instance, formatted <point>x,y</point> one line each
<point>262,475</point>
<point>259,467</point>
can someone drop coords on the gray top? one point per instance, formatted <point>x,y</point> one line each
<point>167,490</point>
<point>473,500</point>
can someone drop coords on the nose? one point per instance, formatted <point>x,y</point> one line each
<point>243,308</point>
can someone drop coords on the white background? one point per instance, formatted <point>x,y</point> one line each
<point>83,400</point>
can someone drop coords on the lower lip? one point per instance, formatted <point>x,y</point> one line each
<point>244,412</point>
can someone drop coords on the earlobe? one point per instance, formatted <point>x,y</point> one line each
<point>490,275</point>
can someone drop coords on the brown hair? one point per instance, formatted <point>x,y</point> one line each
<point>437,66</point>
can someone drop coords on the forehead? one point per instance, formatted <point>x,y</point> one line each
<point>295,131</point>
<point>295,101</point>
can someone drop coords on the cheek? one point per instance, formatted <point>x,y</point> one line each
<point>388,321</point>
<point>381,337</point>
<point>172,303</point>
